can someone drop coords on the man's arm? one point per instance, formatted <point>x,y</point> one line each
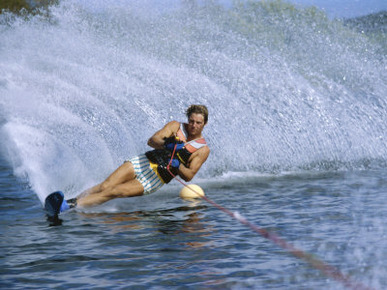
<point>187,173</point>
<point>157,140</point>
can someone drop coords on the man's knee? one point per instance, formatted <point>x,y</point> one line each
<point>105,186</point>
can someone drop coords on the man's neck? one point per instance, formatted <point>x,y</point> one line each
<point>190,138</point>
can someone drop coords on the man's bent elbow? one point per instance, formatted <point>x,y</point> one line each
<point>152,143</point>
<point>186,178</point>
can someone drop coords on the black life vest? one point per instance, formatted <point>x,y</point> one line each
<point>162,157</point>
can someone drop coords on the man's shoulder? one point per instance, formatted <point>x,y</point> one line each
<point>205,150</point>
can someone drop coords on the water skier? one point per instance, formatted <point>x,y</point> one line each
<point>179,149</point>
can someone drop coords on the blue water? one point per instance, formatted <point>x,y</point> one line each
<point>297,132</point>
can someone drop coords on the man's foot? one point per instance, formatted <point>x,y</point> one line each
<point>55,203</point>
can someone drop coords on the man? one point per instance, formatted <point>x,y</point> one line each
<point>179,149</point>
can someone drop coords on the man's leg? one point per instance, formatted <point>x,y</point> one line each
<point>122,174</point>
<point>128,189</point>
<point>121,183</point>
<point>92,190</point>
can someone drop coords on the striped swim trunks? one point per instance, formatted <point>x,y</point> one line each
<point>144,173</point>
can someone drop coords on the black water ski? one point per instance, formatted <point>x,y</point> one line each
<point>53,203</point>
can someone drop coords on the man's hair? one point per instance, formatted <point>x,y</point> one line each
<point>198,109</point>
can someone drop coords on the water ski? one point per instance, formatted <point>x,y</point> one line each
<point>53,203</point>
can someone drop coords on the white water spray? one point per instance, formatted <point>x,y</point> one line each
<point>287,89</point>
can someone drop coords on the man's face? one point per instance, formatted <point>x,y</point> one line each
<point>195,124</point>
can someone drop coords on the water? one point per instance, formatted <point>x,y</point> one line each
<point>297,131</point>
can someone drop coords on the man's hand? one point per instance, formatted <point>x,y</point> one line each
<point>172,142</point>
<point>175,163</point>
